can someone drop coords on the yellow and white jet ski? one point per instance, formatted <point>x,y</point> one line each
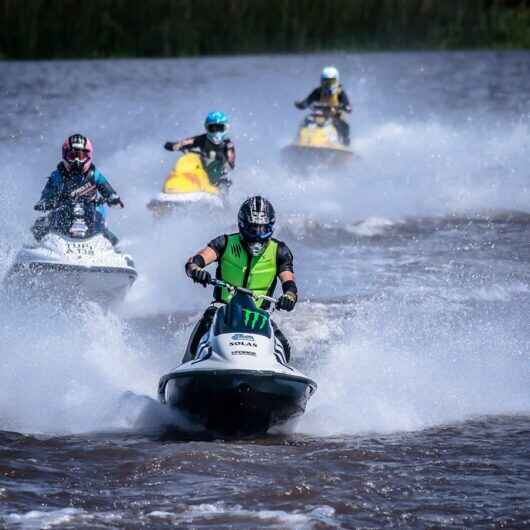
<point>317,141</point>
<point>188,183</point>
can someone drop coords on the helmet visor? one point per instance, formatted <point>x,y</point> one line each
<point>77,154</point>
<point>329,82</point>
<point>216,127</point>
<point>254,232</point>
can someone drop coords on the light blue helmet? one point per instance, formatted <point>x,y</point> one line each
<point>216,124</point>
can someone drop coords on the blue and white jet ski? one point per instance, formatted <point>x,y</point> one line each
<point>74,258</point>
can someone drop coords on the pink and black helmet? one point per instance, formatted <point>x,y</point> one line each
<point>77,153</point>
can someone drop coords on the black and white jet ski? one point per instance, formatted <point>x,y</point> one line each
<point>239,382</point>
<point>73,258</point>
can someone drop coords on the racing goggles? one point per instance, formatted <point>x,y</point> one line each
<point>254,233</point>
<point>329,82</point>
<point>77,154</point>
<point>216,127</point>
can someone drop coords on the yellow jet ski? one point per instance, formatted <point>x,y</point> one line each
<point>317,141</point>
<point>188,183</point>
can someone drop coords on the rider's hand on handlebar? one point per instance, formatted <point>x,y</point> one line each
<point>286,302</point>
<point>41,206</point>
<point>114,200</point>
<point>170,146</point>
<point>201,276</point>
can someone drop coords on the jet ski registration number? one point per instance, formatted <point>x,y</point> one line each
<point>80,249</point>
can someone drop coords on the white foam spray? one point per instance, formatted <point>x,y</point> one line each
<point>64,371</point>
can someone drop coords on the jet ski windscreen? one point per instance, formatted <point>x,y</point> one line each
<point>242,316</point>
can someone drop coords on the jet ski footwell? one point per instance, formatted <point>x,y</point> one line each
<point>314,156</point>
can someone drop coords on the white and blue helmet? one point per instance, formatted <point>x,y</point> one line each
<point>330,75</point>
<point>216,125</point>
<point>329,80</point>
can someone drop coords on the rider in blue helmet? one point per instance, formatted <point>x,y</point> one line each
<point>217,150</point>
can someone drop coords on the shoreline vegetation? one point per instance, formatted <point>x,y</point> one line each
<point>67,29</point>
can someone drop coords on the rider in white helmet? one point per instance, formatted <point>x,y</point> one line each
<point>330,92</point>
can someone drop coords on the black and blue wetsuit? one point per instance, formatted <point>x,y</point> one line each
<point>63,187</point>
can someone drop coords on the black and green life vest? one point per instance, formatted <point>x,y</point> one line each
<point>235,263</point>
<point>333,100</point>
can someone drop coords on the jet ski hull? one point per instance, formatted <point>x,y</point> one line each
<point>71,259</point>
<point>236,402</point>
<point>307,156</point>
<point>187,184</point>
<point>166,203</point>
<point>103,284</point>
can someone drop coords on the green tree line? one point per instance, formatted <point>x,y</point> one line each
<point>38,29</point>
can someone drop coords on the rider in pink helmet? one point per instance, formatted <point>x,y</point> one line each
<point>77,153</point>
<point>76,178</point>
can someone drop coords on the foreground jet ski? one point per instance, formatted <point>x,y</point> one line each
<point>74,260</point>
<point>239,382</point>
<point>317,142</point>
<point>188,183</point>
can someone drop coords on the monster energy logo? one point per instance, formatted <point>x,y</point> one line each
<point>252,319</point>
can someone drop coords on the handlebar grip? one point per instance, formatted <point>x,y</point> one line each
<point>220,283</point>
<point>269,299</point>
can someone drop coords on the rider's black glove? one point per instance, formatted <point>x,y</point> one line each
<point>170,146</point>
<point>114,200</point>
<point>41,206</point>
<point>201,276</point>
<point>299,105</point>
<point>286,302</point>
<point>224,182</point>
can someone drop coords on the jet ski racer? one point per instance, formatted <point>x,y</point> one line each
<point>251,258</point>
<point>76,178</point>
<point>217,150</point>
<point>331,93</point>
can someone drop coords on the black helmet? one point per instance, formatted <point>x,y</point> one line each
<point>256,220</point>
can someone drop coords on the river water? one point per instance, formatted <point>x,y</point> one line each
<point>413,270</point>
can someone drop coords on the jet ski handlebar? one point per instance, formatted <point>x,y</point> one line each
<point>99,202</point>
<point>235,288</point>
<point>325,109</point>
<point>321,106</point>
<point>186,149</point>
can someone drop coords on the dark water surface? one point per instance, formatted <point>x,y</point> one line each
<point>413,269</point>
<point>465,475</point>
